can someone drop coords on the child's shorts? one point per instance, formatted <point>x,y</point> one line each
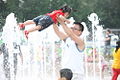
<point>44,21</point>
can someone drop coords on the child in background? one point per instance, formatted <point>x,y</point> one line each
<point>44,21</point>
<point>116,61</point>
<point>99,59</point>
<point>65,74</point>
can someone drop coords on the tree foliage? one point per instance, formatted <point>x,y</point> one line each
<point>107,10</point>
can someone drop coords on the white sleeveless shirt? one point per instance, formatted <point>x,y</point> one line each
<point>72,57</point>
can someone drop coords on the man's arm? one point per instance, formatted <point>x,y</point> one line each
<point>107,38</point>
<point>70,33</point>
<point>64,19</point>
<point>60,34</point>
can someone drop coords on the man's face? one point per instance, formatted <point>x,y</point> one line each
<point>76,29</point>
<point>107,32</point>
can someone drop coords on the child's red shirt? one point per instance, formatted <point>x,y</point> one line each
<point>54,15</point>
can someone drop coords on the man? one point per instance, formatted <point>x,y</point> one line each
<point>107,51</point>
<point>74,47</point>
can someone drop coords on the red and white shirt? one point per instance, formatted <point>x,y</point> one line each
<point>54,15</point>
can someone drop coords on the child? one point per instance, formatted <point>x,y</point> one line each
<point>46,20</point>
<point>65,74</point>
<point>116,61</point>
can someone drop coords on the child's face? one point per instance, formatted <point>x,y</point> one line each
<point>66,14</point>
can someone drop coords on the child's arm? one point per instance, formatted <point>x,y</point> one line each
<point>64,19</point>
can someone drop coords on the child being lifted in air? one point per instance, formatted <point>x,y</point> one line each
<point>44,21</point>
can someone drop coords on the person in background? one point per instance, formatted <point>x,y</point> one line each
<point>116,61</point>
<point>65,74</point>
<point>107,40</point>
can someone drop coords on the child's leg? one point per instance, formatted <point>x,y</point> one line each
<point>42,22</point>
<point>28,22</point>
<point>26,32</point>
<point>38,27</point>
<point>115,74</point>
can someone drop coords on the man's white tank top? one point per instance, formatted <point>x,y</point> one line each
<point>72,57</point>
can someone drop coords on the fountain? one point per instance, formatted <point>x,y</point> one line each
<point>39,51</point>
<point>97,43</point>
<point>11,40</point>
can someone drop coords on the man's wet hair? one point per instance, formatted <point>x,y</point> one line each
<point>81,27</point>
<point>66,73</point>
<point>66,8</point>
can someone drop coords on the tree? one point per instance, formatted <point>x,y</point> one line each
<point>107,10</point>
<point>3,13</point>
<point>109,13</point>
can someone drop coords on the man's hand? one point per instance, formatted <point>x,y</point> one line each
<point>60,20</point>
<point>68,22</point>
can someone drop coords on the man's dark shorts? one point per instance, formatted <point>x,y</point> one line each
<point>44,21</point>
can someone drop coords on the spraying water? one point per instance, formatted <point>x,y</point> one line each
<point>38,52</point>
<point>11,39</point>
<point>97,43</point>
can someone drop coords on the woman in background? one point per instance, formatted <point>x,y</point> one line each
<point>116,61</point>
